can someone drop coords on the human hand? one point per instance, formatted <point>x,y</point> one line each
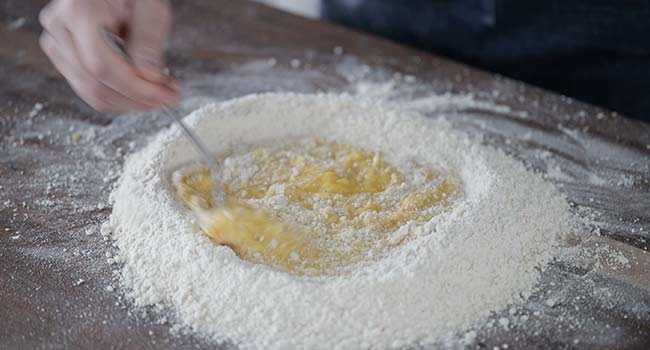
<point>74,39</point>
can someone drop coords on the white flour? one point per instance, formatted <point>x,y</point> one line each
<point>483,254</point>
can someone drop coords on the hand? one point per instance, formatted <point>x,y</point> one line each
<point>74,39</point>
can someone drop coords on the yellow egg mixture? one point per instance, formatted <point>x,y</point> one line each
<point>314,207</point>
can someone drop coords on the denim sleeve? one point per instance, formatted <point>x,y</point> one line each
<point>595,50</point>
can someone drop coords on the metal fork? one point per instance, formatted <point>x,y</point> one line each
<point>195,140</point>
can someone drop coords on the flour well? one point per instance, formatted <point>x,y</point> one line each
<point>481,255</point>
<point>314,207</point>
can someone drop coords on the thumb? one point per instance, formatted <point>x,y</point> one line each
<point>150,26</point>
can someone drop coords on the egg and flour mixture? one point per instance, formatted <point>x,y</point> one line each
<point>349,223</point>
<point>314,207</point>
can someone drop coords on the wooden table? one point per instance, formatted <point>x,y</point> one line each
<point>59,162</point>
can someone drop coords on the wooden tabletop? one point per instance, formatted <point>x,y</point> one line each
<point>59,161</point>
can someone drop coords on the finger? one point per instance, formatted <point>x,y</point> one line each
<point>97,95</point>
<point>151,23</point>
<point>113,70</point>
<point>58,36</point>
<point>120,9</point>
<point>45,17</point>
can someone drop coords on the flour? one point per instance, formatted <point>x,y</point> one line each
<point>482,255</point>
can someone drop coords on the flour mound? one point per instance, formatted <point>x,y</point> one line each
<point>484,253</point>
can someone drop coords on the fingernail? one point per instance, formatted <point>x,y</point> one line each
<point>151,66</point>
<point>171,98</point>
<point>173,85</point>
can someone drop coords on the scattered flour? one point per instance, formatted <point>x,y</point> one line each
<point>479,257</point>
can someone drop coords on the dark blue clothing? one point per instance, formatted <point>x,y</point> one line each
<point>597,51</point>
